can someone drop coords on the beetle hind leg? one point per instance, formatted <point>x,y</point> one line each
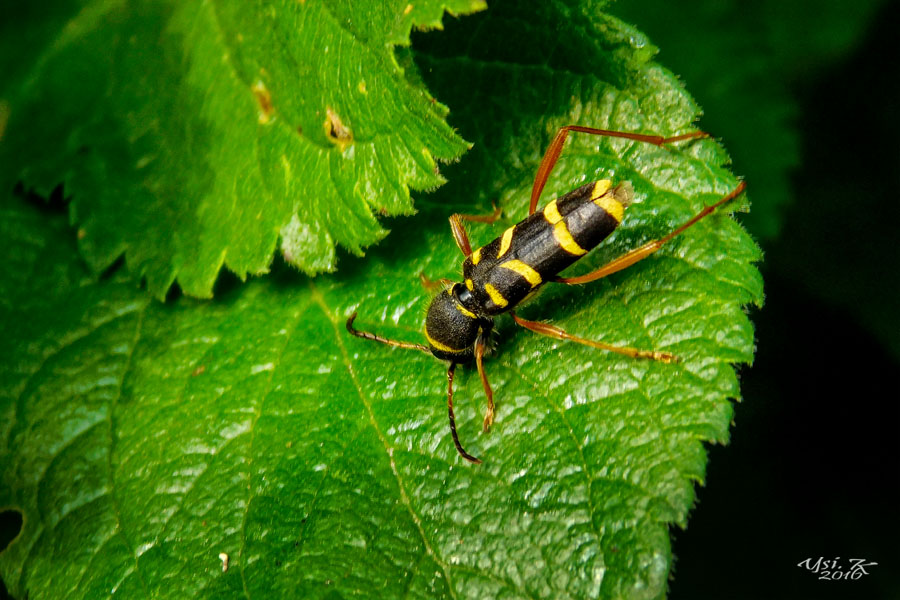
<point>556,332</point>
<point>639,254</point>
<point>551,155</point>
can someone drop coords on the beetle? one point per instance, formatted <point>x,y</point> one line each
<point>502,274</point>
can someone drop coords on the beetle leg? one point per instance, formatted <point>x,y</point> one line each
<point>638,254</point>
<point>459,234</point>
<point>433,284</point>
<point>491,218</point>
<point>459,447</point>
<point>555,148</point>
<point>556,332</point>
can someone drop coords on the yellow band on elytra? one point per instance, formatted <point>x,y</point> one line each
<point>565,239</point>
<point>612,206</point>
<point>530,275</point>
<point>600,188</point>
<point>496,296</point>
<point>551,213</point>
<point>505,241</point>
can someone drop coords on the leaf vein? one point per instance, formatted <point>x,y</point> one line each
<point>138,328</point>
<point>317,298</point>
<point>299,315</point>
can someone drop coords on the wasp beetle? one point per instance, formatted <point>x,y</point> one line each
<point>500,275</point>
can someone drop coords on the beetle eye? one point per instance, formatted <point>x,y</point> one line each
<point>462,293</point>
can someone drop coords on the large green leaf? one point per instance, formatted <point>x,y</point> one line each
<point>143,440</point>
<point>196,134</point>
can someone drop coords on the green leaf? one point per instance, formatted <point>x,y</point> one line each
<point>142,441</point>
<point>195,134</point>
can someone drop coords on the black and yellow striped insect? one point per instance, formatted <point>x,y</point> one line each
<point>504,273</point>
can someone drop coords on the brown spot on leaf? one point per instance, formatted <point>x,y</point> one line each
<point>81,233</point>
<point>338,133</point>
<point>265,101</point>
<point>199,371</point>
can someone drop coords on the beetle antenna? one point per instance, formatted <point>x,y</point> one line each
<point>371,336</point>
<point>459,447</point>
